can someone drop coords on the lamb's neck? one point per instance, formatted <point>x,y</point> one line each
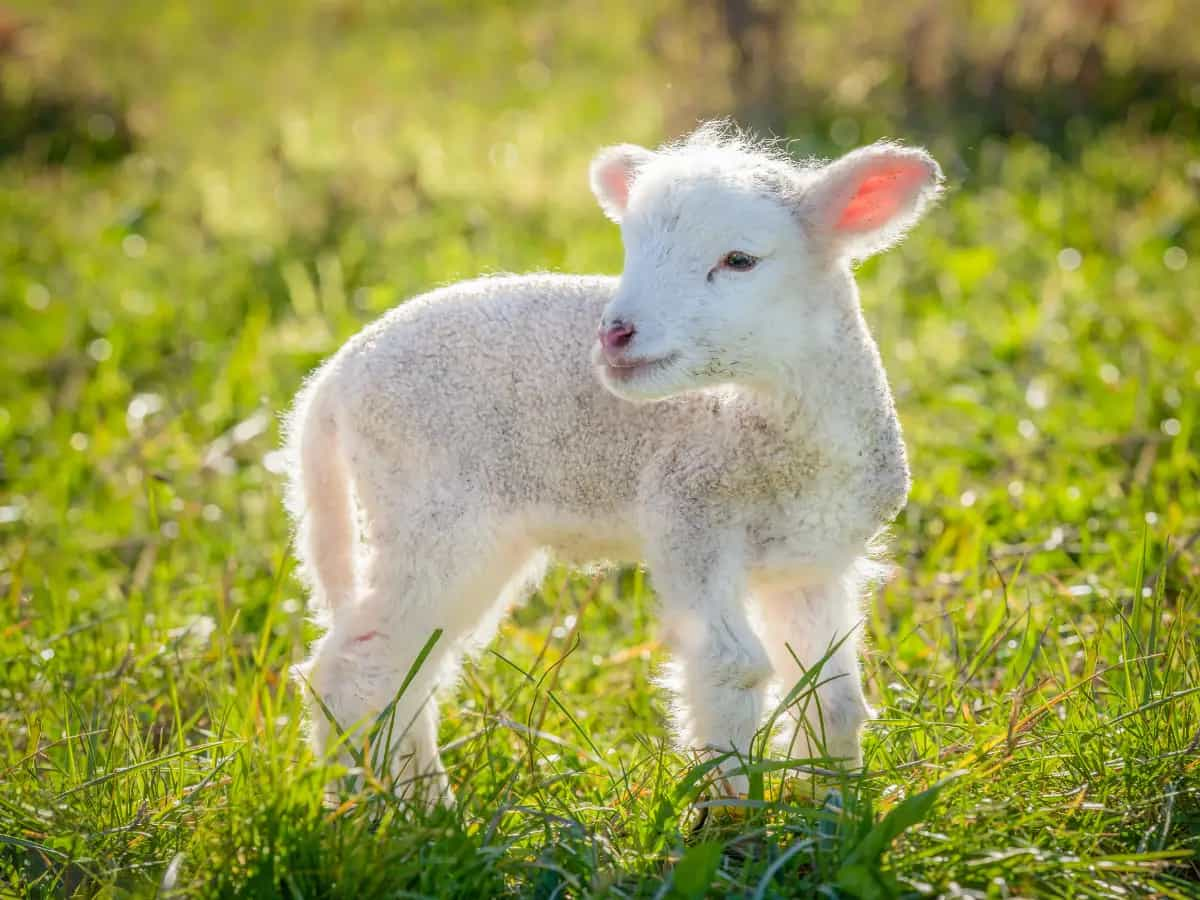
<point>836,393</point>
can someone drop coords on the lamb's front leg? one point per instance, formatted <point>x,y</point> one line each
<point>721,670</point>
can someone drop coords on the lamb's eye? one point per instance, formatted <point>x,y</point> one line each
<point>739,261</point>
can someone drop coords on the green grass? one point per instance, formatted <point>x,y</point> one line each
<point>239,190</point>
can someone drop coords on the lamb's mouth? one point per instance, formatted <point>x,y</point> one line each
<point>636,368</point>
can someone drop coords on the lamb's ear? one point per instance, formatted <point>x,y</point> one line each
<point>613,172</point>
<point>866,201</point>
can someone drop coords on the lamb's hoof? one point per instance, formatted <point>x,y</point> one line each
<point>828,827</point>
<point>717,812</point>
<point>720,803</point>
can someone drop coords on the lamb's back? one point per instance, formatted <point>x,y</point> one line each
<point>491,381</point>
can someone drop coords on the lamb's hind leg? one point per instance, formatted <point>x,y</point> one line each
<point>803,628</point>
<point>443,575</point>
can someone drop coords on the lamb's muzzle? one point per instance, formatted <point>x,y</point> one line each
<point>614,338</point>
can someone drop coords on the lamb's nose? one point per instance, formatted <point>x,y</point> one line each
<point>617,335</point>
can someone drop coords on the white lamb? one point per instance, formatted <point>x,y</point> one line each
<point>730,425</point>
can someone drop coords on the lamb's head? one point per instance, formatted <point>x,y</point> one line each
<point>736,258</point>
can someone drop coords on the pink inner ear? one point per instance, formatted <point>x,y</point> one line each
<point>881,194</point>
<point>615,180</point>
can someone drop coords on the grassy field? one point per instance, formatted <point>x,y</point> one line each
<point>196,207</point>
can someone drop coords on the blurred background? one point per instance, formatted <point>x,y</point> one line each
<point>199,201</point>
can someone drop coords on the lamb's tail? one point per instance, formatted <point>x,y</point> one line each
<point>319,497</point>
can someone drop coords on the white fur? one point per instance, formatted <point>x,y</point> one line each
<point>447,448</point>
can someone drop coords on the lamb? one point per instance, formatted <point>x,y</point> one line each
<point>719,412</point>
